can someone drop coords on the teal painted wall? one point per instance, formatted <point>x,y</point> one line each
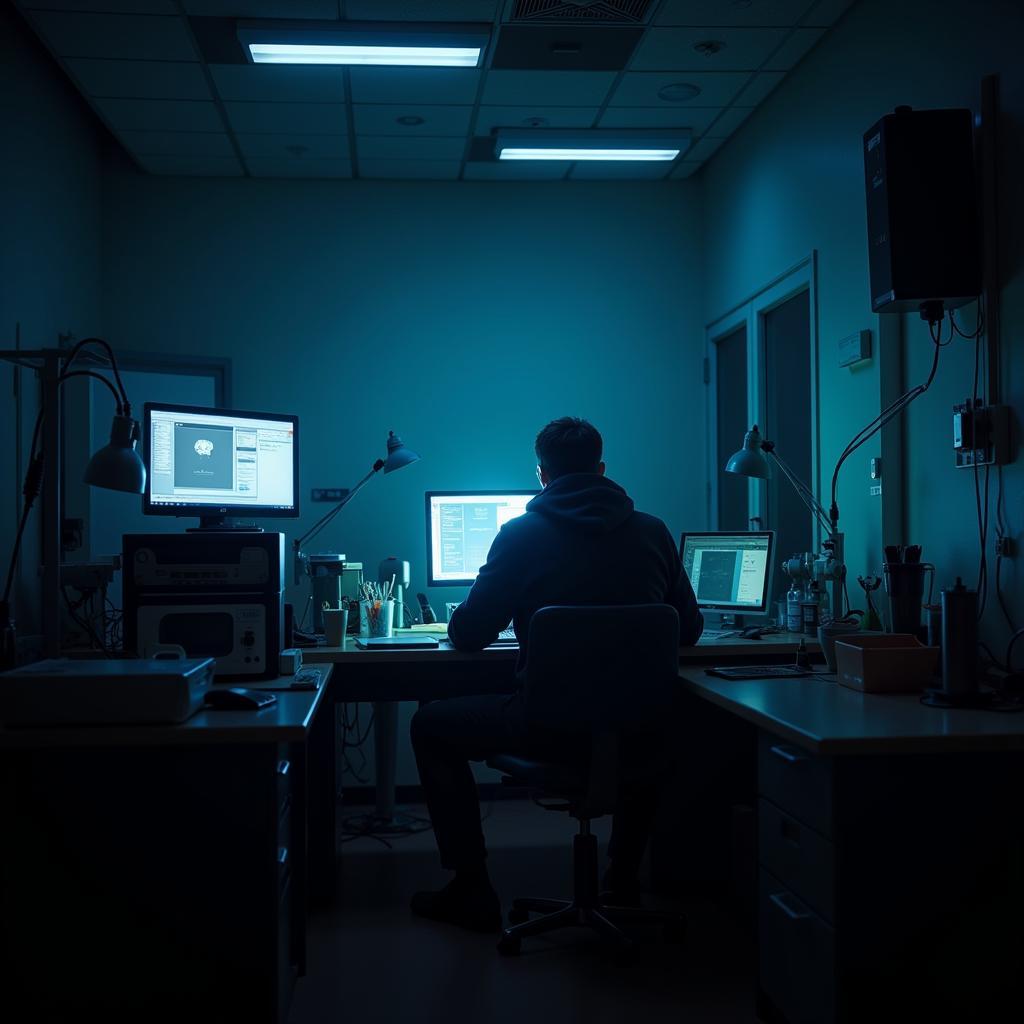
<point>791,181</point>
<point>464,316</point>
<point>49,251</point>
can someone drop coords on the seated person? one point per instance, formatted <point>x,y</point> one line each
<point>580,541</point>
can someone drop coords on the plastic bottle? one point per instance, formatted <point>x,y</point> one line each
<point>793,598</point>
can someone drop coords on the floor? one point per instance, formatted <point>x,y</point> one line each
<point>371,961</point>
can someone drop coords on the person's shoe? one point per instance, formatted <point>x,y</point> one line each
<point>472,905</point>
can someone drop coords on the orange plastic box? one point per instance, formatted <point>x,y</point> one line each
<point>889,663</point>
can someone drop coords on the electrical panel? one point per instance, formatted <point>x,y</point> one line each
<point>923,237</point>
<point>981,434</point>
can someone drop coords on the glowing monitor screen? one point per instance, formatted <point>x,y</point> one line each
<point>729,571</point>
<point>461,526</point>
<point>213,460</point>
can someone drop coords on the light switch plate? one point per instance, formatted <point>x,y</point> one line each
<point>855,348</point>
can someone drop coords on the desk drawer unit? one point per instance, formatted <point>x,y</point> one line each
<point>798,856</point>
<point>797,956</point>
<point>797,781</point>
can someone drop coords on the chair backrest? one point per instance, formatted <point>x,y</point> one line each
<point>601,668</point>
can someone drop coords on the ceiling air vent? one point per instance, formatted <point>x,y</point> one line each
<point>621,12</point>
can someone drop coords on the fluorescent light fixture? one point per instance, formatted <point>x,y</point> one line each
<point>359,43</point>
<point>591,144</point>
<point>404,56</point>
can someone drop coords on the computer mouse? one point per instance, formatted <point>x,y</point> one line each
<point>238,698</point>
<point>751,633</point>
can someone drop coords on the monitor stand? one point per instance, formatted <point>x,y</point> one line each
<point>219,524</point>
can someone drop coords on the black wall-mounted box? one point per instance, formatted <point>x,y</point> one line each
<point>923,236</point>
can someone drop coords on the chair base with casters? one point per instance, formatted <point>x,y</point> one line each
<point>585,909</point>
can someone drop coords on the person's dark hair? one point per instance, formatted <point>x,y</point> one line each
<point>568,445</point>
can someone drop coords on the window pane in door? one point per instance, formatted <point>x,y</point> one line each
<point>787,421</point>
<point>731,406</point>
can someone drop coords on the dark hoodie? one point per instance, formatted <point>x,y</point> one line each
<point>580,541</point>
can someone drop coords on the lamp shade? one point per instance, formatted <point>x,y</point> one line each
<point>117,465</point>
<point>398,454</point>
<point>750,460</point>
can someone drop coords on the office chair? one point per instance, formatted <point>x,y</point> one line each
<point>592,674</point>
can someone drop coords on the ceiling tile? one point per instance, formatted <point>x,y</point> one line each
<point>827,12</point>
<point>727,12</point>
<point>160,115</point>
<point>316,167</point>
<point>387,147</point>
<point>489,118</point>
<point>112,6</point>
<point>794,48</point>
<point>284,118</point>
<point>744,49</point>
<point>382,119</point>
<point>414,85</point>
<point>421,10</point>
<point>291,147</point>
<point>587,170</point>
<point>516,170</point>
<point>276,83</point>
<point>326,10</point>
<point>553,88</point>
<point>140,79</point>
<point>686,168</point>
<point>717,88</point>
<point>730,120</point>
<point>759,87</point>
<point>177,143</point>
<point>115,35</point>
<point>193,166</point>
<point>703,149</point>
<point>430,170</point>
<point>696,118</point>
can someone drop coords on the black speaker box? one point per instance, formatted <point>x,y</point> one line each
<point>923,243</point>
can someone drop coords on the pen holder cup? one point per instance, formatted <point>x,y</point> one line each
<point>376,618</point>
<point>904,583</point>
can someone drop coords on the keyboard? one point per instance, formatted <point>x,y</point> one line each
<point>717,634</point>
<point>507,634</point>
<point>506,638</point>
<point>758,672</point>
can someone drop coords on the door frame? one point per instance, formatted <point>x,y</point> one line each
<point>751,313</point>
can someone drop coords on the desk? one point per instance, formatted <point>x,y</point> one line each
<point>159,872</point>
<point>889,852</point>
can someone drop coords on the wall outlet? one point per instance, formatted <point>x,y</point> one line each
<point>328,493</point>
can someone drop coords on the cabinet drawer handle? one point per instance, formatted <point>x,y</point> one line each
<point>282,855</point>
<point>779,899</point>
<point>284,767</point>
<point>788,755</point>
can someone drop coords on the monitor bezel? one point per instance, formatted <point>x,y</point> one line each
<point>769,576</point>
<point>482,492</point>
<point>204,511</point>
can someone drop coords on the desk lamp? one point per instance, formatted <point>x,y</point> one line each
<point>752,461</point>
<point>117,466</point>
<point>398,456</point>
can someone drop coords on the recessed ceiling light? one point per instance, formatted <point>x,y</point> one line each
<point>678,92</point>
<point>709,47</point>
<point>364,43</point>
<point>410,119</point>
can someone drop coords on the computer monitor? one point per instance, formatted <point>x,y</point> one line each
<point>461,526</point>
<point>730,572</point>
<point>219,464</point>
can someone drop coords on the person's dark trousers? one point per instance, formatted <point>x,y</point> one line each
<point>448,734</point>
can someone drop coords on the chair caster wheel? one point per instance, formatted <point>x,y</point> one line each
<point>518,916</point>
<point>510,945</point>
<point>675,932</point>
